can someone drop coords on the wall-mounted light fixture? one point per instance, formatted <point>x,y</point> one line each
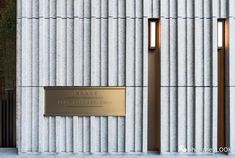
<point>153,34</point>
<point>221,34</point>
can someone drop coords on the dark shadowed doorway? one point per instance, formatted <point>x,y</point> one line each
<point>154,85</point>
<point>7,73</point>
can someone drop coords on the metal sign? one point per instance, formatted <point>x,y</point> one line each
<point>85,101</point>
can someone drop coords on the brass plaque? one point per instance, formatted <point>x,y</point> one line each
<point>85,101</point>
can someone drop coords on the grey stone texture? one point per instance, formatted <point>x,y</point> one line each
<point>104,43</point>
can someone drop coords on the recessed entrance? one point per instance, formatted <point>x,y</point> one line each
<point>221,83</point>
<point>154,85</point>
<point>7,73</point>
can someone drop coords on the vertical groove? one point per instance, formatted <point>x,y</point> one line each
<point>83,74</point>
<point>59,40</point>
<point>95,68</point>
<point>199,82</point>
<point>46,66</point>
<point>78,69</point>
<point>40,112</point>
<point>104,70</point>
<point>181,81</point>
<point>28,90</point>
<point>203,81</point>
<point>70,71</point>
<point>52,67</point>
<point>169,77</point>
<point>190,76</point>
<point>49,81</point>
<point>100,81</point>
<point>61,71</point>
<point>134,82</point>
<point>173,82</point>
<point>186,72</point>
<point>231,40</point>
<point>27,76</point>
<point>121,69</point>
<point>74,39</point>
<point>35,44</point>
<point>144,76</point>
<point>87,70</point>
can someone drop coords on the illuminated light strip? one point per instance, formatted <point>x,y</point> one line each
<point>152,34</point>
<point>220,34</point>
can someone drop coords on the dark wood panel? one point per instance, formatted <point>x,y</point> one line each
<point>154,92</point>
<point>221,99</point>
<point>221,93</point>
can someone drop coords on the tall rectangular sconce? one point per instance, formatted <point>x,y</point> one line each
<point>154,35</point>
<point>221,34</point>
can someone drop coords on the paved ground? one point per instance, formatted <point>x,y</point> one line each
<point>12,153</point>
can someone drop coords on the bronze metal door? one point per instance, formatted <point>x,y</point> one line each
<point>154,90</point>
<point>221,98</point>
<point>221,84</point>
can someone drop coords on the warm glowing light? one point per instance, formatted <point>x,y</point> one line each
<point>220,34</point>
<point>152,34</point>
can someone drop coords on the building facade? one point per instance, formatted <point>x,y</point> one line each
<point>105,43</point>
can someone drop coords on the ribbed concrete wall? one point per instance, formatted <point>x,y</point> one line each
<point>104,43</point>
<point>80,43</point>
<point>189,73</point>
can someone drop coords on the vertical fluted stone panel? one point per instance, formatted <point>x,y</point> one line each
<point>80,43</point>
<point>105,43</point>
<point>189,73</point>
<point>231,84</point>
